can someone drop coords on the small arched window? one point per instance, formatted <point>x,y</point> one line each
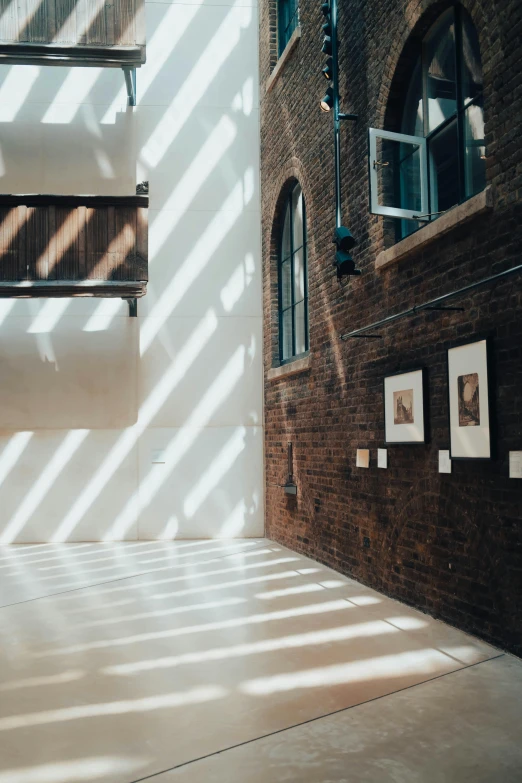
<point>438,159</point>
<point>293,279</point>
<point>287,21</point>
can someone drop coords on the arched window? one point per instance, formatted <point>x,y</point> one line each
<point>293,282</point>
<point>287,20</point>
<point>438,159</point>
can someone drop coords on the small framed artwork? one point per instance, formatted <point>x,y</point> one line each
<point>363,458</point>
<point>405,408</point>
<point>469,401</point>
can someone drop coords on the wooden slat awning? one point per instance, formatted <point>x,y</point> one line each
<point>55,246</point>
<point>73,32</point>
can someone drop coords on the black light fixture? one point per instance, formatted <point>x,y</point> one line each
<point>327,29</point>
<point>327,45</point>
<point>344,242</point>
<point>327,100</point>
<point>328,69</point>
<point>343,239</point>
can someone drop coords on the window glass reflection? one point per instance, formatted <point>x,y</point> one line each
<point>412,117</point>
<point>286,324</point>
<point>471,69</point>
<point>286,283</point>
<point>297,214</point>
<point>441,86</point>
<point>299,275</point>
<point>300,328</point>
<point>474,150</point>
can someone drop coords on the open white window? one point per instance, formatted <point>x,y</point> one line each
<point>441,119</point>
<point>398,175</point>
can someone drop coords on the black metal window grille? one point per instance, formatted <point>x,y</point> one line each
<point>293,280</point>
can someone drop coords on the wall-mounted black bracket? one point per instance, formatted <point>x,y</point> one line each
<point>352,117</point>
<point>130,81</point>
<point>133,307</point>
<point>453,309</point>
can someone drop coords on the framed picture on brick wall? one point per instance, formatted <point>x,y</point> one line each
<point>405,408</point>
<point>469,401</point>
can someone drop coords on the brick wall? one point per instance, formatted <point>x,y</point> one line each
<point>448,544</point>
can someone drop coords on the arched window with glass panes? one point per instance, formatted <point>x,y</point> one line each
<point>438,159</point>
<point>293,279</point>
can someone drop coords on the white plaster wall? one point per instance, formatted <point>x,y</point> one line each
<point>119,428</point>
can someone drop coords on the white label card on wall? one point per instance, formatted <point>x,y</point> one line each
<point>363,458</point>
<point>444,462</point>
<point>515,464</point>
<point>382,458</point>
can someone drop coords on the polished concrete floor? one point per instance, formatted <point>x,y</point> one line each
<point>237,662</point>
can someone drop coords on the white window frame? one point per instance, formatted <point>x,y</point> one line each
<point>397,212</point>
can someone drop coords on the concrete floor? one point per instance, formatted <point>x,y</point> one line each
<point>237,662</point>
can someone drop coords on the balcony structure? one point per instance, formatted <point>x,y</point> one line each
<point>75,32</point>
<point>70,246</point>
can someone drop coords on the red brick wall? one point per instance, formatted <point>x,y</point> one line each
<point>449,544</point>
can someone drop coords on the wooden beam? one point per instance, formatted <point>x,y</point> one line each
<point>120,289</point>
<point>108,57</point>
<point>48,199</point>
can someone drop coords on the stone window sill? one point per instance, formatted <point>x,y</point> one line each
<point>292,368</point>
<point>287,51</point>
<point>482,202</point>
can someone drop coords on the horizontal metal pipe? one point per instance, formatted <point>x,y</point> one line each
<point>429,305</point>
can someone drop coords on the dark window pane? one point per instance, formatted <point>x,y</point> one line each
<point>286,337</point>
<point>410,190</point>
<point>443,156</point>
<point>412,118</point>
<point>474,150</point>
<point>300,328</point>
<point>286,247</point>
<point>286,284</point>
<point>440,57</point>
<point>471,74</point>
<point>413,125</point>
<point>409,226</point>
